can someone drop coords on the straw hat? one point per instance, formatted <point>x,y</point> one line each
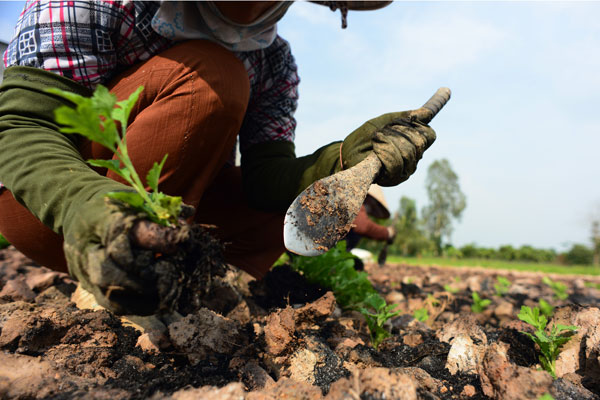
<point>375,203</point>
<point>344,6</point>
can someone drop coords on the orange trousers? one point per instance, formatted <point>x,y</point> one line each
<point>194,100</point>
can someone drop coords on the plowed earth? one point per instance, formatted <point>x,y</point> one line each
<point>283,338</point>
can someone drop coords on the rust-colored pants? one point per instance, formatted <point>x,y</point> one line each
<point>194,100</point>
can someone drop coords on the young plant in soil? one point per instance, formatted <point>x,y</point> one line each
<point>451,289</point>
<point>421,314</point>
<point>352,289</point>
<point>479,304</point>
<point>546,309</point>
<point>98,118</point>
<point>502,285</point>
<point>549,343</point>
<point>559,288</point>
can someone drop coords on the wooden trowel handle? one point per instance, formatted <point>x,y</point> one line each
<point>371,164</point>
<point>430,109</point>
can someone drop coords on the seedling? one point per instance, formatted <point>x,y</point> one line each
<point>352,290</point>
<point>546,309</point>
<point>449,288</point>
<point>559,288</point>
<point>479,304</point>
<point>546,396</point>
<point>97,119</point>
<point>421,314</point>
<point>502,285</point>
<point>549,343</point>
<point>592,285</point>
<point>377,319</point>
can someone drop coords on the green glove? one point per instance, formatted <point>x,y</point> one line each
<point>398,143</point>
<point>273,176</point>
<point>112,259</point>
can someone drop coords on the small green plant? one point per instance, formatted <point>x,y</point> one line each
<point>421,314</point>
<point>479,304</point>
<point>352,289</point>
<point>549,343</point>
<point>3,242</point>
<point>450,289</point>
<point>97,118</point>
<point>502,285</point>
<point>546,396</point>
<point>592,285</point>
<point>546,309</point>
<point>559,288</point>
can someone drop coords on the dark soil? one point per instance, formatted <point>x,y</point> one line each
<point>285,338</point>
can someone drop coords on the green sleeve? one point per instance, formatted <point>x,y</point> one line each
<point>39,165</point>
<point>273,176</point>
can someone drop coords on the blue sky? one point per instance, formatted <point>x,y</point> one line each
<point>521,131</point>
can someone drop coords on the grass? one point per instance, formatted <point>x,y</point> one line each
<point>498,264</point>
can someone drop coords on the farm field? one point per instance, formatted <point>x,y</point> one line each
<point>498,264</point>
<point>285,338</point>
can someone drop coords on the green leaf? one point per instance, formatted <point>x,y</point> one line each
<point>103,101</point>
<point>134,199</point>
<point>421,314</point>
<point>124,107</point>
<point>154,174</point>
<point>560,328</point>
<point>546,309</point>
<point>112,165</point>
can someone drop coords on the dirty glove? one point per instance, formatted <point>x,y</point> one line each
<point>397,141</point>
<point>273,176</point>
<point>111,249</point>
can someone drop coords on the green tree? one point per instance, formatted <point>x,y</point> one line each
<point>579,254</point>
<point>447,201</point>
<point>410,239</point>
<point>596,241</point>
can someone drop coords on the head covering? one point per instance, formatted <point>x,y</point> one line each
<point>344,6</point>
<point>181,20</point>
<point>375,203</point>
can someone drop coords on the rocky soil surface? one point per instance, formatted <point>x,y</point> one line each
<point>283,338</point>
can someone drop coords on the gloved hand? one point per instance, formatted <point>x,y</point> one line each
<point>391,234</point>
<point>111,249</point>
<point>397,141</point>
<point>273,176</point>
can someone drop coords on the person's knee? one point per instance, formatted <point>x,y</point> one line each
<point>222,71</point>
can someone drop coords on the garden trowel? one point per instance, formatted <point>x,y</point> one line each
<point>323,213</point>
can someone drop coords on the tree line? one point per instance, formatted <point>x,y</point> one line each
<point>428,233</point>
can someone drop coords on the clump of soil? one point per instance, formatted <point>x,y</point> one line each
<point>284,338</point>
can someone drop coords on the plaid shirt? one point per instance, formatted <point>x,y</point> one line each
<point>92,41</point>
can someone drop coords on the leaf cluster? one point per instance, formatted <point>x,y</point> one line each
<point>546,308</point>
<point>559,288</point>
<point>502,285</point>
<point>103,119</point>
<point>421,314</point>
<point>479,304</point>
<point>548,342</point>
<point>352,289</point>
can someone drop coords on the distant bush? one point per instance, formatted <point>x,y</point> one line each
<point>579,254</point>
<point>452,252</point>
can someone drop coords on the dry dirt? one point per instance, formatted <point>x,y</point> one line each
<point>282,338</point>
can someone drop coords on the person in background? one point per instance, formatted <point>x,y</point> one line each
<point>374,206</point>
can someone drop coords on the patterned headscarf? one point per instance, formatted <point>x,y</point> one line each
<point>181,20</point>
